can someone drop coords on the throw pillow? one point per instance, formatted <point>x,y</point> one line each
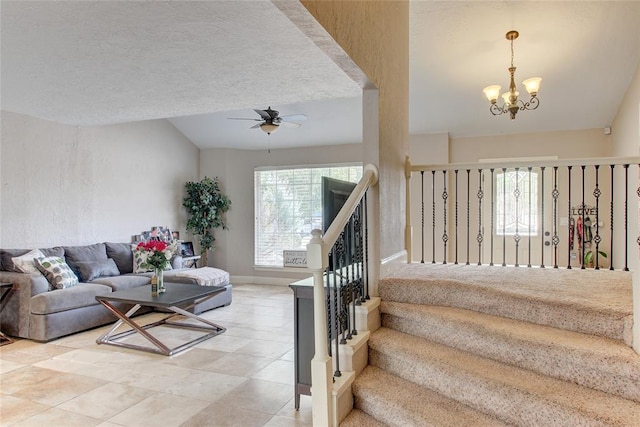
<point>90,270</point>
<point>140,257</point>
<point>57,272</point>
<point>7,254</point>
<point>26,263</point>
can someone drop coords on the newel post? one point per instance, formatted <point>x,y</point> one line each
<point>321,364</point>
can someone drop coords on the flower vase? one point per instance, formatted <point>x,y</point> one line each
<point>160,278</point>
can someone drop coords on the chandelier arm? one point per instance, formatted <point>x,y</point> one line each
<point>495,110</point>
<point>532,104</point>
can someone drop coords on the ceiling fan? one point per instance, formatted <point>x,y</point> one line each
<point>271,120</point>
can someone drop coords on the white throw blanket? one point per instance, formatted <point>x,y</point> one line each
<point>207,276</point>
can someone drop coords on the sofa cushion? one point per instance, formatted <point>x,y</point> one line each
<point>126,281</point>
<point>90,270</point>
<point>75,254</point>
<point>57,272</point>
<point>122,255</point>
<point>67,299</point>
<point>6,254</point>
<point>26,263</point>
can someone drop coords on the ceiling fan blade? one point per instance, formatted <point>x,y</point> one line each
<point>256,126</point>
<point>293,118</point>
<point>242,118</point>
<point>265,115</point>
<point>290,124</point>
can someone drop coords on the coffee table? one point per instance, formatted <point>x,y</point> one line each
<point>177,298</point>
<point>5,288</point>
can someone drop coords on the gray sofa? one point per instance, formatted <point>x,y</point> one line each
<point>32,310</point>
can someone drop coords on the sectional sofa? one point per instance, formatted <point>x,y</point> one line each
<point>38,309</point>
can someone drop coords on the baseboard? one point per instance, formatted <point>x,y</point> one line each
<point>392,263</point>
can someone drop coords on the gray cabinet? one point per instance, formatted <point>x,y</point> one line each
<point>304,347</point>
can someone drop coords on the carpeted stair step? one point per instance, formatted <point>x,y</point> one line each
<point>512,394</point>
<point>591,301</point>
<point>357,418</point>
<point>398,402</point>
<point>600,363</point>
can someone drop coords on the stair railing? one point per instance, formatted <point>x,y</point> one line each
<point>337,288</point>
<point>529,213</point>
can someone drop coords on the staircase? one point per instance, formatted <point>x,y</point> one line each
<point>491,346</point>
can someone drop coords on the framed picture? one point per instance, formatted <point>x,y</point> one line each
<point>175,235</point>
<point>187,249</point>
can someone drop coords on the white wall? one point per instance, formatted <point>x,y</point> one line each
<point>235,169</point>
<point>62,185</point>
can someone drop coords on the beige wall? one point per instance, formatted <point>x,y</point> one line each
<point>63,185</point>
<point>235,169</point>
<point>376,37</point>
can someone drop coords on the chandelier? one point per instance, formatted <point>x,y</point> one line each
<point>511,102</point>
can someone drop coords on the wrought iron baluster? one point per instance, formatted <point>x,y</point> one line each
<point>596,238</point>
<point>611,167</point>
<point>555,239</point>
<point>529,209</point>
<point>456,172</point>
<point>504,217</point>
<point>365,267</point>
<point>626,212</point>
<point>468,216</point>
<point>542,235</point>
<point>433,217</point>
<point>583,242</point>
<point>516,195</point>
<point>422,215</point>
<point>492,213</point>
<point>445,236</point>
<point>479,237</point>
<point>569,219</point>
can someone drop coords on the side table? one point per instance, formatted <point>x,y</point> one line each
<point>5,288</point>
<point>191,261</point>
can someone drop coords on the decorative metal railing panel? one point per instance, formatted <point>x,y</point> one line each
<point>517,219</point>
<point>345,282</point>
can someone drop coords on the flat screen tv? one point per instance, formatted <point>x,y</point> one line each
<point>334,195</point>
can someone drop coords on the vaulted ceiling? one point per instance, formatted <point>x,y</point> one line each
<point>198,63</point>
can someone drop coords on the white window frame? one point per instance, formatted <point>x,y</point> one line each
<point>269,246</point>
<point>522,214</point>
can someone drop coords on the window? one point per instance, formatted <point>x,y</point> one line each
<point>524,216</point>
<point>288,205</point>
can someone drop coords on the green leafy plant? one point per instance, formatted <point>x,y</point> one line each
<point>589,257</point>
<point>206,205</point>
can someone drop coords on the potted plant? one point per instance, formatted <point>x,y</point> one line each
<point>206,205</point>
<point>589,258</point>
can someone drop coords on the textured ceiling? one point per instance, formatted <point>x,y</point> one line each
<point>197,63</point>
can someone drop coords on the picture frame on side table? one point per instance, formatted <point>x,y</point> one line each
<point>186,249</point>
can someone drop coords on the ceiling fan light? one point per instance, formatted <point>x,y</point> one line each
<point>492,92</point>
<point>532,85</point>
<point>269,128</point>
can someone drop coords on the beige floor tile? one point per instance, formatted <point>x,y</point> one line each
<point>237,364</point>
<point>26,377</point>
<point>105,401</point>
<point>14,409</point>
<point>224,343</point>
<point>160,410</point>
<point>278,371</point>
<point>209,386</point>
<point>155,376</point>
<point>58,388</point>
<point>278,421</point>
<point>258,395</point>
<point>289,355</point>
<point>58,417</point>
<point>8,366</point>
<point>27,352</point>
<point>265,348</point>
<point>302,415</point>
<point>193,358</point>
<point>216,415</point>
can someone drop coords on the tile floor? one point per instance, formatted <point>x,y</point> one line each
<point>243,377</point>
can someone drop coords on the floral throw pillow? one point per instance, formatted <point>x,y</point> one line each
<point>57,272</point>
<point>26,263</point>
<point>140,257</point>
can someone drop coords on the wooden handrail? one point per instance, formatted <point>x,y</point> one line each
<point>510,164</point>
